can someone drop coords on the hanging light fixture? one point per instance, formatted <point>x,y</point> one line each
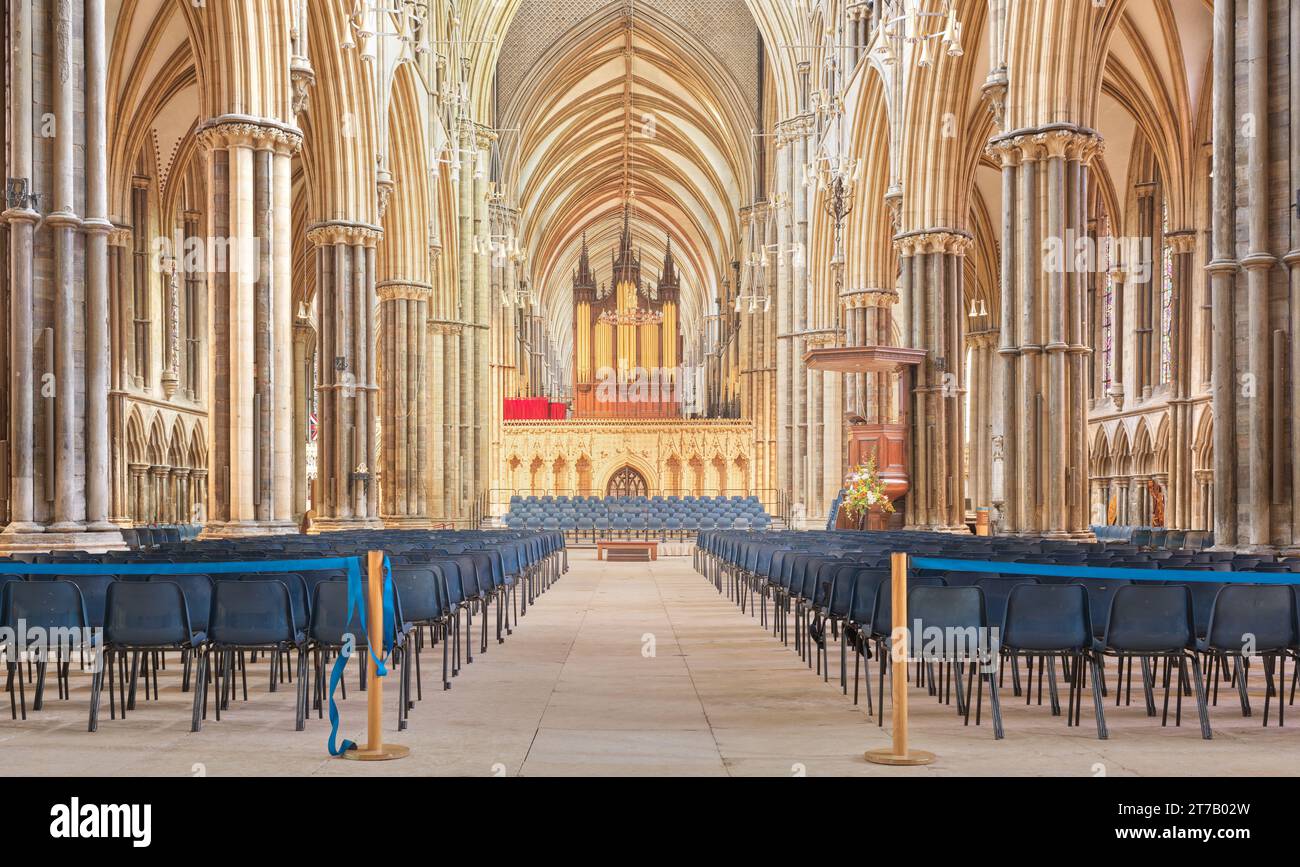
<point>916,23</point>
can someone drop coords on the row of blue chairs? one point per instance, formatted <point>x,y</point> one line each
<point>152,536</point>
<point>636,517</point>
<point>219,623</point>
<point>838,583</point>
<point>1154,537</point>
<point>524,499</point>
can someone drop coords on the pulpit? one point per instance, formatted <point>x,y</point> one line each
<point>882,429</point>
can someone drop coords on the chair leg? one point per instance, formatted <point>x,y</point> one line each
<point>200,691</point>
<point>1098,713</point>
<point>1281,685</point>
<point>1239,673</point>
<point>96,685</point>
<point>300,705</point>
<point>22,692</point>
<point>9,687</point>
<point>1200,701</point>
<point>1148,685</point>
<point>446,684</point>
<point>1051,677</point>
<point>994,706</point>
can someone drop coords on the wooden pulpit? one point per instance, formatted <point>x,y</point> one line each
<point>887,441</point>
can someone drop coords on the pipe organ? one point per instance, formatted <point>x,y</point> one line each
<point>627,344</point>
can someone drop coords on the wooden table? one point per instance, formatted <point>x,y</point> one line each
<point>623,549</point>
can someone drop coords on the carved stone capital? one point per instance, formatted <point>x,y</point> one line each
<point>252,132</point>
<point>869,297</point>
<point>344,232</point>
<point>403,290</point>
<point>933,241</point>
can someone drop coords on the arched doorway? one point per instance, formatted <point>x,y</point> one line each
<point>627,482</point>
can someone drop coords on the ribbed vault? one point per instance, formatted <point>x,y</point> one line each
<point>668,110</point>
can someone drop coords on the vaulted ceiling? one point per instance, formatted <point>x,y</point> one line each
<point>654,102</point>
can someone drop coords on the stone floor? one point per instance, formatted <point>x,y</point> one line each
<point>631,669</point>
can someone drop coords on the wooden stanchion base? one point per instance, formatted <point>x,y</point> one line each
<point>383,754</point>
<point>889,757</point>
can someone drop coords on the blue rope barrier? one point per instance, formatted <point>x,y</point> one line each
<point>1103,573</point>
<point>356,601</point>
<point>317,565</point>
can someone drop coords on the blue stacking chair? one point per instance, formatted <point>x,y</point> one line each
<point>140,617</point>
<point>1049,621</point>
<point>55,610</point>
<point>1154,621</point>
<point>959,614</point>
<point>1252,620</point>
<point>247,615</point>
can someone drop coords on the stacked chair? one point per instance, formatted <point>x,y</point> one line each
<point>587,519</point>
<point>219,623</point>
<point>1186,637</point>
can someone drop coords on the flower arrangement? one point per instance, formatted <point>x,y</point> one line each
<point>864,488</point>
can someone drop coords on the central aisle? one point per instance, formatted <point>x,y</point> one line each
<point>634,668</point>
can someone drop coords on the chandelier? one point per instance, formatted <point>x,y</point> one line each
<point>405,21</point>
<point>917,23</point>
<point>630,317</point>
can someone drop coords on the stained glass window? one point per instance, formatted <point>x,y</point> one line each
<point>1166,298</point>
<point>1107,305</point>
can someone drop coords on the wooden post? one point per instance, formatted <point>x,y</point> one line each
<point>375,749</point>
<point>899,753</point>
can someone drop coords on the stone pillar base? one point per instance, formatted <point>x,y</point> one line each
<point>406,522</point>
<point>334,525</point>
<point>94,542</point>
<point>21,527</point>
<point>237,529</point>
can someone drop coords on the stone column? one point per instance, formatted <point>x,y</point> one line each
<point>251,325</point>
<point>437,353</point>
<point>461,455</point>
<point>63,223</point>
<point>983,346</point>
<point>934,260</point>
<point>1178,508</point>
<point>404,310</point>
<point>182,496</point>
<point>345,462</point>
<point>138,495</point>
<point>1007,423</point>
<point>1044,430</point>
<point>801,483</point>
<point>1259,262</point>
<point>159,508</point>
<point>447,344</point>
<point>1120,487</point>
<point>480,451</point>
<point>200,478</point>
<point>1223,270</point>
<point>304,342</point>
<point>97,228</point>
<point>1204,518</point>
<point>784,322</point>
<point>1292,260</point>
<point>22,220</point>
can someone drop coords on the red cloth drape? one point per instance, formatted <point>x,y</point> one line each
<point>525,408</point>
<point>519,408</point>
